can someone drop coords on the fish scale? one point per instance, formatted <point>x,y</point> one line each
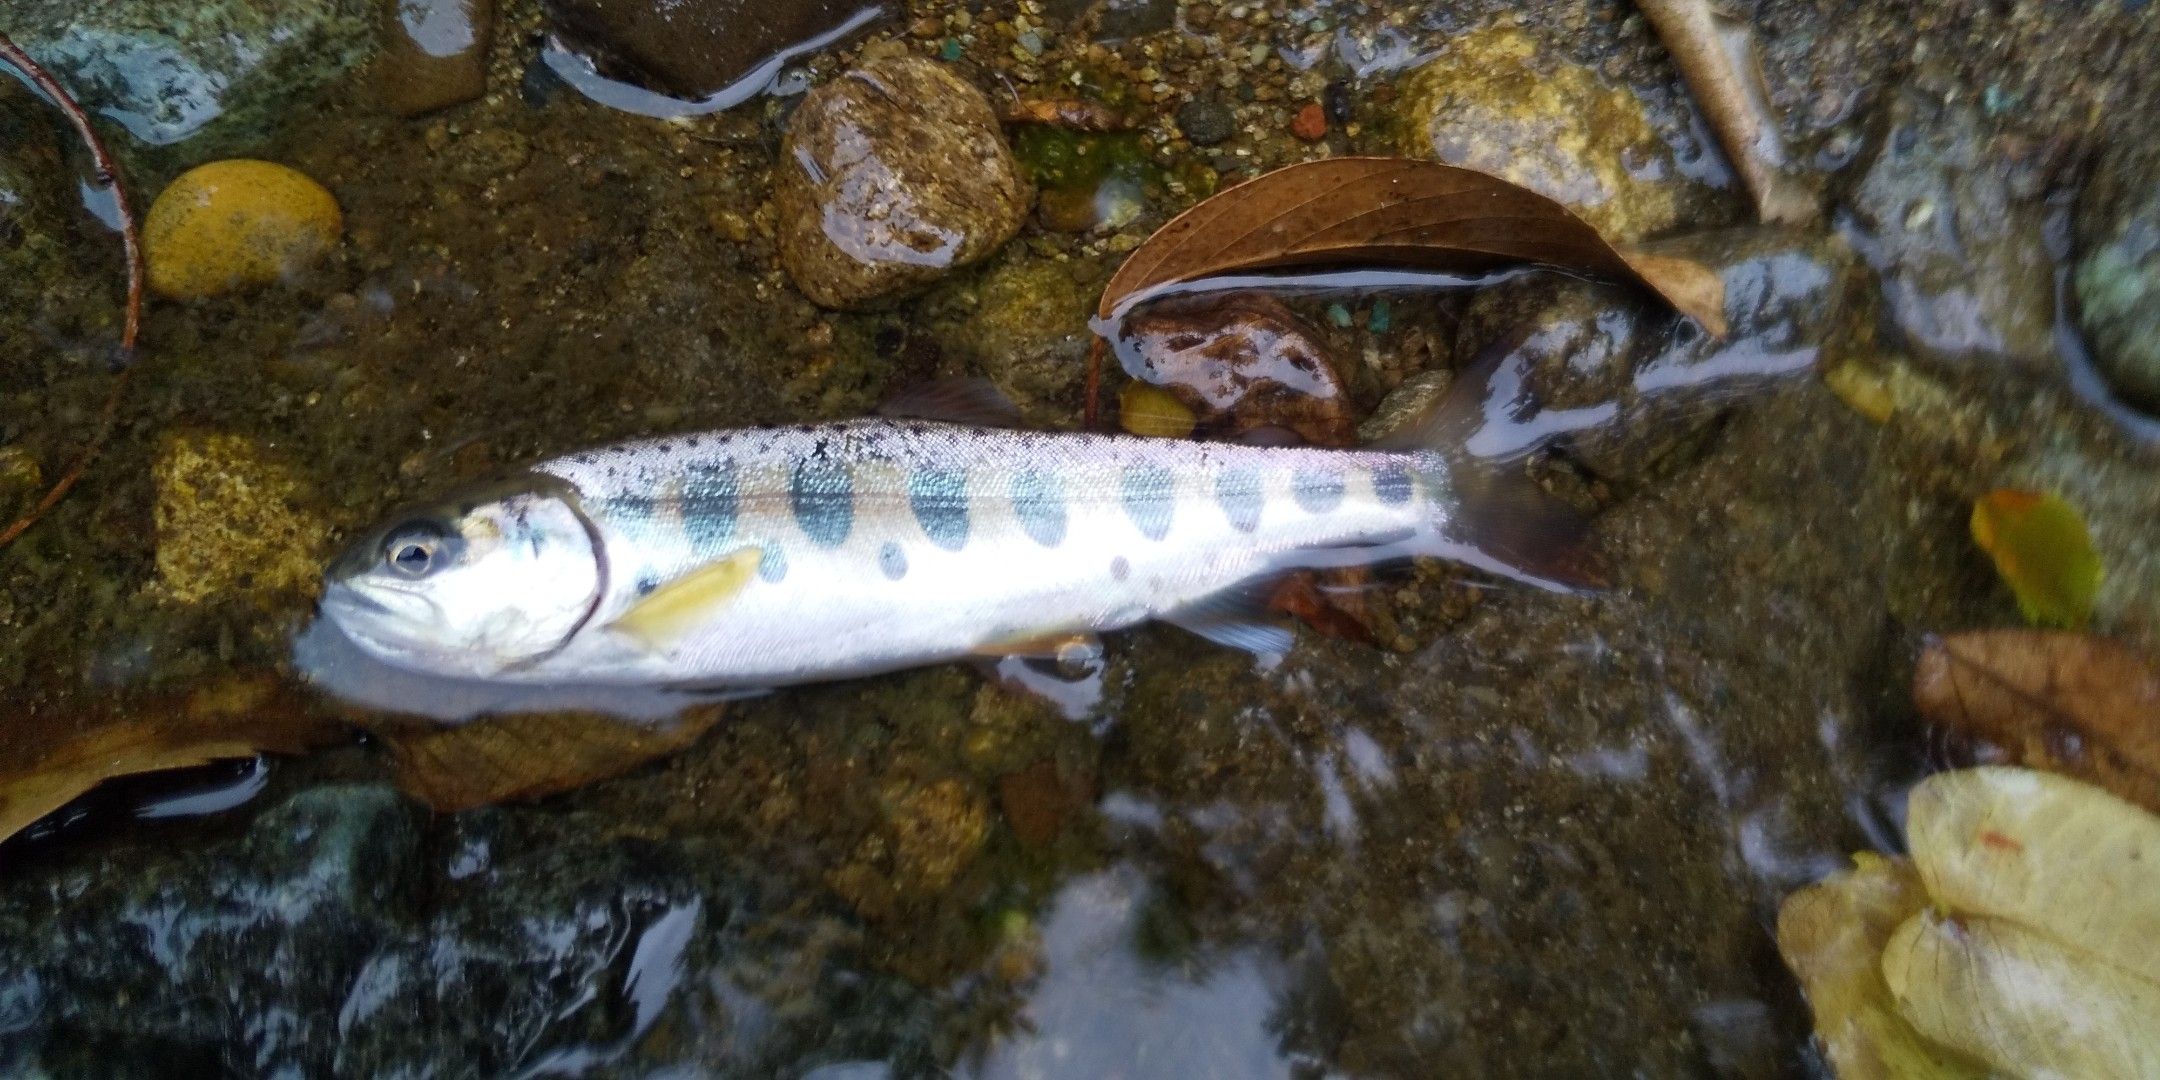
<point>977,570</point>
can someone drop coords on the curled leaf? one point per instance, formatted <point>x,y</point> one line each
<point>2043,552</point>
<point>2022,1002</point>
<point>1832,935</point>
<point>45,767</point>
<point>1371,211</point>
<point>2070,703</point>
<point>1716,58</point>
<point>2065,859</point>
<point>525,756</point>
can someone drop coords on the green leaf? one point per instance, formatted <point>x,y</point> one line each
<point>2043,552</point>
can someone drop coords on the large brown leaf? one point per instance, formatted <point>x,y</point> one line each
<point>1370,211</point>
<point>45,765</point>
<point>2066,702</point>
<point>505,758</point>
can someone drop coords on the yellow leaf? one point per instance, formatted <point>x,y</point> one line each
<point>1832,935</point>
<point>1152,410</point>
<point>2063,858</point>
<point>2022,1002</point>
<point>2043,553</point>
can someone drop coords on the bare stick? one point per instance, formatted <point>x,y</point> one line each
<point>108,175</point>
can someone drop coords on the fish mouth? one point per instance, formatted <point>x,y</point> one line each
<point>340,596</point>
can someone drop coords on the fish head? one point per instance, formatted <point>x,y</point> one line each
<point>473,587</point>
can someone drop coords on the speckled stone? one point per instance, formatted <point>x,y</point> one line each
<point>434,54</point>
<point>2118,271</point>
<point>892,175</point>
<point>1493,103</point>
<point>1206,122</point>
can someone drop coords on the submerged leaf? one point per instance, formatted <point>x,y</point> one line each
<point>2071,703</point>
<point>2043,552</point>
<point>1370,211</point>
<point>2020,1001</point>
<point>235,718</point>
<point>505,758</point>
<point>2063,858</point>
<point>1144,409</point>
<point>1832,935</point>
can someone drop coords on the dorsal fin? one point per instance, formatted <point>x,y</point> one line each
<point>673,609</point>
<point>960,399</point>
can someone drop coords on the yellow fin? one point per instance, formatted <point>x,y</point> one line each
<point>1055,646</point>
<point>683,603</point>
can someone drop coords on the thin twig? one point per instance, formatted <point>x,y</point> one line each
<point>108,175</point>
<point>1094,384</point>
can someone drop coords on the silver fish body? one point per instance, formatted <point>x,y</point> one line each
<point>869,546</point>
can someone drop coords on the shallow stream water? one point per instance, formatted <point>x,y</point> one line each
<point>1519,833</point>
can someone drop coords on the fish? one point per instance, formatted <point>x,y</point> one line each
<point>936,531</point>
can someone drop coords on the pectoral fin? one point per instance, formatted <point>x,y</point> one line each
<point>661,619</point>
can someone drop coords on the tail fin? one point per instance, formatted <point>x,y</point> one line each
<point>1472,446</point>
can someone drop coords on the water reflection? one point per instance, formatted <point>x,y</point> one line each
<point>1104,1010</point>
<point>579,72</point>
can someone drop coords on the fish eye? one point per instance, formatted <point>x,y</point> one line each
<point>413,550</point>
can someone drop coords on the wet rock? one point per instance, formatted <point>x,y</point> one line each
<point>692,48</point>
<point>1037,801</point>
<point>329,940</point>
<point>1206,121</point>
<point>232,225</point>
<point>213,75</point>
<point>231,518</point>
<point>892,175</point>
<point>19,473</point>
<point>1627,388</point>
<point>1957,240</point>
<point>134,961</point>
<point>33,198</point>
<point>928,835</point>
<point>1028,334</point>
<point>1239,362</point>
<point>2118,270</point>
<point>1125,19</point>
<point>433,55</point>
<point>1491,103</point>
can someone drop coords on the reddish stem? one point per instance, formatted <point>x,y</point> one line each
<point>1094,382</point>
<point>108,175</point>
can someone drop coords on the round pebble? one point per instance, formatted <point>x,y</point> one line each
<point>1206,122</point>
<point>235,224</point>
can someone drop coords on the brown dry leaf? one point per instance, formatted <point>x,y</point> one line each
<point>2067,702</point>
<point>1367,211</point>
<point>44,769</point>
<point>1716,58</point>
<point>506,758</point>
<point>1070,113</point>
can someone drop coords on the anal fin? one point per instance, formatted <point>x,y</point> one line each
<point>1237,619</point>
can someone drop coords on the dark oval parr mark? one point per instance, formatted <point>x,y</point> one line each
<point>939,499</point>
<point>1040,506</point>
<point>1148,493</point>
<point>822,493</point>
